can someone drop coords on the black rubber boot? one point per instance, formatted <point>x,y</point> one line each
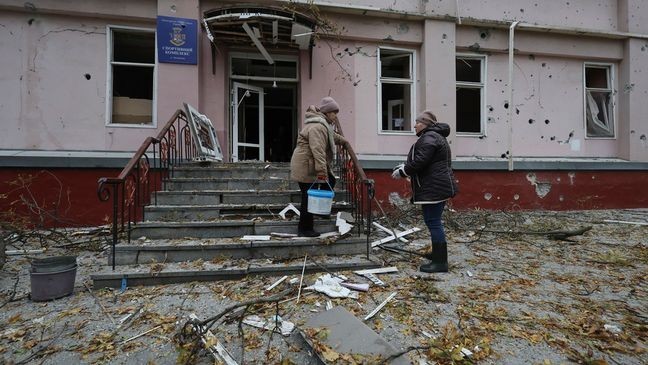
<point>439,261</point>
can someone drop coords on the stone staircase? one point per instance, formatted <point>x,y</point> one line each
<point>193,229</point>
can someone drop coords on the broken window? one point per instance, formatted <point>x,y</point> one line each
<point>599,101</point>
<point>131,78</point>
<point>470,94</point>
<point>396,89</point>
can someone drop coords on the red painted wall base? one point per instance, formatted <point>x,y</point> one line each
<point>68,197</point>
<point>54,197</point>
<point>550,190</point>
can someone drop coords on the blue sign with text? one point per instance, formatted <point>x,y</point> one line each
<point>177,40</point>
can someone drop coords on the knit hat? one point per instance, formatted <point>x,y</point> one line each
<point>426,117</point>
<point>328,105</point>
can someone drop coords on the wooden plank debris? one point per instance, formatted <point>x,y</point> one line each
<point>301,280</point>
<point>277,283</point>
<point>256,237</point>
<point>380,270</point>
<point>380,306</point>
<point>385,229</point>
<point>392,237</point>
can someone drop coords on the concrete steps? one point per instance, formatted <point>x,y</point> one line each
<point>211,197</point>
<point>222,228</point>
<point>250,184</point>
<point>173,273</point>
<point>208,250</point>
<point>233,171</point>
<point>211,212</point>
<point>193,229</point>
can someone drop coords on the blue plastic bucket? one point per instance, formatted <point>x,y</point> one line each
<point>320,201</point>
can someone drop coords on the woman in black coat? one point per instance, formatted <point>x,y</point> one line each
<point>429,168</point>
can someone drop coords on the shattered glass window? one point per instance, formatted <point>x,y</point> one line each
<point>396,83</point>
<point>132,74</point>
<point>470,94</point>
<point>599,101</point>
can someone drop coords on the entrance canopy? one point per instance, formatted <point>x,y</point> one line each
<point>263,27</point>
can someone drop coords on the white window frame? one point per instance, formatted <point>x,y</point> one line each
<point>390,80</point>
<point>109,77</point>
<point>611,88</point>
<point>474,85</point>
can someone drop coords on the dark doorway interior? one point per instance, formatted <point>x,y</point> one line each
<point>280,120</point>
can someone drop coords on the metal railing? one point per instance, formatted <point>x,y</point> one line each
<point>148,170</point>
<point>145,174</point>
<point>359,189</point>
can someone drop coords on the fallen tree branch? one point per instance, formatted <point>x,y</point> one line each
<point>209,322</point>
<point>561,235</point>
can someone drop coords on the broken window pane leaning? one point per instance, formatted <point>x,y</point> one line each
<point>600,120</point>
<point>599,101</point>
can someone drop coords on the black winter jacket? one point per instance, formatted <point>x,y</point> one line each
<point>429,165</point>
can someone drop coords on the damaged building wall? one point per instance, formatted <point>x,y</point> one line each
<point>592,14</point>
<point>54,72</point>
<point>548,70</point>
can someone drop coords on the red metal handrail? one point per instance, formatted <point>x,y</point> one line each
<point>139,180</point>
<point>359,189</point>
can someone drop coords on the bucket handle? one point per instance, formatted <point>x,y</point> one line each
<point>318,186</point>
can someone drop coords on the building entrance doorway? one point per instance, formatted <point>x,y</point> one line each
<point>264,108</point>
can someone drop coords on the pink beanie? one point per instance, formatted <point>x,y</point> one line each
<point>328,105</point>
<point>426,117</point>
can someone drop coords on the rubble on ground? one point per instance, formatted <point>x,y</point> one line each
<point>516,293</point>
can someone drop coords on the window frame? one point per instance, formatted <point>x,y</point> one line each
<point>398,81</point>
<point>109,76</point>
<point>474,85</point>
<point>611,71</point>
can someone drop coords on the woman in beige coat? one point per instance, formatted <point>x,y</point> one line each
<point>311,159</point>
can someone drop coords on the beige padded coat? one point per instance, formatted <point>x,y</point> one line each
<point>313,154</point>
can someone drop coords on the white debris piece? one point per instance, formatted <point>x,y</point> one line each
<point>383,228</point>
<point>374,279</point>
<point>256,237</point>
<point>283,235</point>
<point>288,208</point>
<point>380,306</point>
<point>380,270</point>
<point>277,283</point>
<point>392,237</point>
<point>356,286</point>
<point>329,305</point>
<point>330,286</point>
<point>465,352</point>
<point>328,234</point>
<point>625,222</point>
<point>612,328</point>
<point>285,327</point>
<point>470,275</point>
<point>343,226</point>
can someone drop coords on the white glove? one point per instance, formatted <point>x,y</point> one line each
<point>399,172</point>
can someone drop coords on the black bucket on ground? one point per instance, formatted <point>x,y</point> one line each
<point>52,277</point>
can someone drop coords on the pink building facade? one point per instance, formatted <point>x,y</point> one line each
<point>546,99</point>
